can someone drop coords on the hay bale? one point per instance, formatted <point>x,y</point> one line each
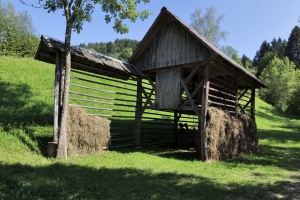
<point>86,134</point>
<point>229,137</point>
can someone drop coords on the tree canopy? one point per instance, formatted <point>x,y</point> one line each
<point>292,50</point>
<point>18,35</point>
<point>208,24</point>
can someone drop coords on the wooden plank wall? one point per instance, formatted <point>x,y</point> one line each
<point>173,45</point>
<point>167,87</point>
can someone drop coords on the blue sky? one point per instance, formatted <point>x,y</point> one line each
<point>249,22</point>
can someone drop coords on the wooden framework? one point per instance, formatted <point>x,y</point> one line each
<point>189,74</point>
<point>174,76</point>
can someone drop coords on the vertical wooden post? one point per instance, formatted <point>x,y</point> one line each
<point>138,112</point>
<point>176,119</point>
<point>236,98</point>
<point>57,81</point>
<point>204,104</point>
<point>252,109</point>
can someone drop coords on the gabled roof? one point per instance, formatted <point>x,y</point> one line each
<point>166,16</point>
<point>86,60</point>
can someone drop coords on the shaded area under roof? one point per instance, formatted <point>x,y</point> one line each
<point>166,16</point>
<point>86,60</point>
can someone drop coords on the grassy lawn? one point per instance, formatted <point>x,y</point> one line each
<point>151,172</point>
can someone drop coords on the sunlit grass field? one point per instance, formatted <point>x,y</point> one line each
<point>152,172</point>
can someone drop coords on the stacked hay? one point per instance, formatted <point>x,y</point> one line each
<point>86,134</point>
<point>229,137</point>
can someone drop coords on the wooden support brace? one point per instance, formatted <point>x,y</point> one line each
<point>189,97</point>
<point>199,86</point>
<point>190,76</point>
<point>243,93</point>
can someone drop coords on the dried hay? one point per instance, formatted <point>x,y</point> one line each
<point>229,137</point>
<point>86,134</point>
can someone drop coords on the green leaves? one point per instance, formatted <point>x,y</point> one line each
<point>277,76</point>
<point>117,11</point>
<point>17,32</point>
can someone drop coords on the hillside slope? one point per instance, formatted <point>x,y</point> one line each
<point>26,100</point>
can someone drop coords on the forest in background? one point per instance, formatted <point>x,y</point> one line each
<point>276,63</point>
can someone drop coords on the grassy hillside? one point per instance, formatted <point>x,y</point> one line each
<point>149,173</point>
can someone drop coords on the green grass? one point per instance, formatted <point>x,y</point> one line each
<point>149,173</point>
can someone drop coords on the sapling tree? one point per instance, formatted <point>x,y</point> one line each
<point>77,12</point>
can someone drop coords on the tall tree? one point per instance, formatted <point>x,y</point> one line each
<point>17,32</point>
<point>278,47</point>
<point>292,50</point>
<point>208,24</point>
<point>264,48</point>
<point>277,75</point>
<point>77,12</point>
<point>229,50</point>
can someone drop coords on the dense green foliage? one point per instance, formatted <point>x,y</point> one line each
<point>18,36</point>
<point>116,11</point>
<point>150,172</point>
<point>120,49</point>
<point>292,50</point>
<point>277,75</point>
<point>275,63</point>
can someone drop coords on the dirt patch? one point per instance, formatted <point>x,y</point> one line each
<point>86,134</point>
<point>229,137</point>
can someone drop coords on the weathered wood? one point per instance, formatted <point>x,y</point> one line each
<point>193,93</point>
<point>167,87</point>
<point>228,89</point>
<point>221,98</point>
<point>237,99</point>
<point>191,75</point>
<point>221,104</point>
<point>173,45</point>
<point>57,81</point>
<point>138,113</point>
<point>252,109</point>
<point>202,118</point>
<point>189,97</point>
<point>51,149</point>
<point>243,93</point>
<point>101,83</point>
<point>222,92</point>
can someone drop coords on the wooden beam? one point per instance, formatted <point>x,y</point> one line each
<point>138,113</point>
<point>189,97</point>
<point>202,118</point>
<point>253,104</point>
<point>190,76</point>
<point>193,93</point>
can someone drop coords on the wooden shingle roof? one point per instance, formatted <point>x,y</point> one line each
<point>86,60</point>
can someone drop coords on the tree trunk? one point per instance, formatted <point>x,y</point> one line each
<point>62,141</point>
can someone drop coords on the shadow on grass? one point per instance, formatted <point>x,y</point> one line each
<point>21,114</point>
<point>170,151</point>
<point>59,181</point>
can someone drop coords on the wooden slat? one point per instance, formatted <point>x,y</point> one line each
<point>138,113</point>
<point>222,92</point>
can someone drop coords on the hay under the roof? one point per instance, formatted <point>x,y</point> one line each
<point>86,134</point>
<point>229,137</point>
